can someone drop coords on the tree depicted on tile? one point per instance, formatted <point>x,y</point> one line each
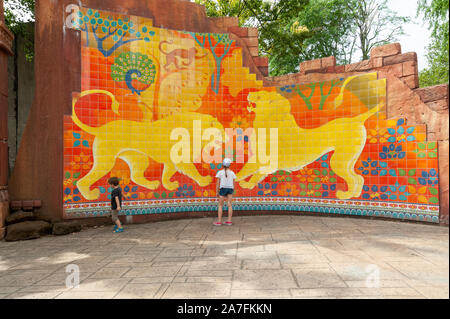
<point>104,30</point>
<point>219,45</point>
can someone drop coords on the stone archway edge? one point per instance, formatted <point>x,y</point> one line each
<point>6,38</point>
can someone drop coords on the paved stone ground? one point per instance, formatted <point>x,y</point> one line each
<point>258,257</point>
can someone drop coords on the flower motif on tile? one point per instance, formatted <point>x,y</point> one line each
<point>423,150</point>
<point>165,195</point>
<point>281,176</point>
<point>239,122</point>
<point>207,193</point>
<point>143,195</point>
<point>267,189</point>
<point>81,161</point>
<point>67,199</point>
<point>425,191</point>
<point>375,192</point>
<point>71,179</point>
<point>311,189</point>
<point>185,191</point>
<point>130,192</point>
<point>429,178</point>
<point>392,152</point>
<point>79,141</point>
<point>287,88</point>
<point>323,161</point>
<point>397,192</point>
<point>307,175</point>
<point>326,188</point>
<point>401,134</point>
<point>287,91</point>
<point>373,168</point>
<point>377,136</point>
<point>71,195</point>
<point>310,193</point>
<point>288,190</point>
<point>212,166</point>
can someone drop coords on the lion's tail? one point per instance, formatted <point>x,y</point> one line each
<point>365,116</point>
<point>360,78</point>
<point>77,121</point>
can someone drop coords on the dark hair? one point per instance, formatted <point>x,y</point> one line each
<point>225,167</point>
<point>113,181</point>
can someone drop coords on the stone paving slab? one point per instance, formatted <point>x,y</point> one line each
<point>258,257</point>
<point>263,279</point>
<point>197,290</point>
<point>318,278</point>
<point>138,291</point>
<point>260,294</point>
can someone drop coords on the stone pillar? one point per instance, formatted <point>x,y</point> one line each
<point>6,38</point>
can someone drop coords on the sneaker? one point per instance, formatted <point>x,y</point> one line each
<point>217,224</point>
<point>228,223</point>
<point>119,230</point>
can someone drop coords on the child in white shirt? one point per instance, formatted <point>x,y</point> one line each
<point>225,190</point>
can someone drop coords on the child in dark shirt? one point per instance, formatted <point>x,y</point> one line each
<point>116,203</point>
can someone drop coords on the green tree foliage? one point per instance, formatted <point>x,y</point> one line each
<point>18,15</point>
<point>274,20</point>
<point>281,36</point>
<point>436,13</point>
<point>227,8</point>
<point>296,31</point>
<point>329,25</point>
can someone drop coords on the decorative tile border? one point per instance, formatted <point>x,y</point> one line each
<point>427,213</point>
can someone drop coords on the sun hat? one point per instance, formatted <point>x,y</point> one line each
<point>226,162</point>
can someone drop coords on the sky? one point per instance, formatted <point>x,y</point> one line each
<point>417,36</point>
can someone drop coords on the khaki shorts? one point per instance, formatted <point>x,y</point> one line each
<point>114,215</point>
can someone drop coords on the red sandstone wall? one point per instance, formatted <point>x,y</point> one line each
<point>38,172</point>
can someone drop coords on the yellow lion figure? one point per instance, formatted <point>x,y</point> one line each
<point>298,147</point>
<point>138,142</point>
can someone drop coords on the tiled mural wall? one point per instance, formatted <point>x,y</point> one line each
<point>336,150</point>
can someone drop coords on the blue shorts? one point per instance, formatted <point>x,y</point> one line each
<point>226,191</point>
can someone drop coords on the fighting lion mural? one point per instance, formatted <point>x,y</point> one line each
<point>336,150</point>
